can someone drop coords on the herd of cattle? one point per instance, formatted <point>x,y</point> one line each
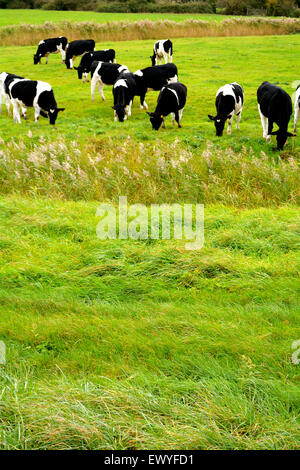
<point>274,104</point>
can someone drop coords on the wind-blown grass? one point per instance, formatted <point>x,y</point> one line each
<point>29,34</point>
<point>130,345</point>
<point>146,172</point>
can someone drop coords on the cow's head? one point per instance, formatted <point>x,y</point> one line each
<point>281,137</point>
<point>81,71</point>
<point>36,58</point>
<point>156,120</point>
<point>152,57</point>
<point>120,112</point>
<point>52,114</point>
<point>68,63</point>
<point>219,123</point>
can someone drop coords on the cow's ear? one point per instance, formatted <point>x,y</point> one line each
<point>150,114</point>
<point>60,109</point>
<point>75,68</point>
<point>274,133</point>
<point>291,135</point>
<point>211,118</point>
<point>114,107</point>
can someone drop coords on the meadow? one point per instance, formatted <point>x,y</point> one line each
<point>141,344</point>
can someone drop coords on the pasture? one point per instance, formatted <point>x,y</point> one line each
<point>142,345</point>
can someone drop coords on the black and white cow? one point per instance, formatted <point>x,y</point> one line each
<point>39,95</point>
<point>76,49</point>
<point>171,100</point>
<point>297,108</point>
<point>162,50</point>
<point>275,107</point>
<point>5,80</point>
<point>154,78</point>
<point>104,73</point>
<point>124,90</point>
<point>83,69</point>
<point>229,102</point>
<point>50,46</point>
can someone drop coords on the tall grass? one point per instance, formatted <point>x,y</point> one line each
<point>30,34</point>
<point>149,172</point>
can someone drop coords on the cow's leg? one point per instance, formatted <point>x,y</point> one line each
<point>177,118</point>
<point>170,56</point>
<point>173,118</point>
<point>164,122</point>
<point>229,125</point>
<point>270,129</point>
<point>180,115</point>
<point>93,86</point>
<point>165,56</point>
<point>8,103</point>
<point>296,117</point>
<point>100,86</point>
<point>24,112</point>
<point>264,123</point>
<point>115,116</point>
<point>142,99</point>
<point>16,112</point>
<point>129,108</point>
<point>238,119</point>
<point>37,111</point>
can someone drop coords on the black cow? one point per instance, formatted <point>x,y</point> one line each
<point>50,46</point>
<point>229,102</point>
<point>162,50</point>
<point>104,74</point>
<point>275,106</point>
<point>154,78</point>
<point>171,99</point>
<point>33,94</point>
<point>124,90</point>
<point>76,49</point>
<point>83,69</point>
<point>5,81</point>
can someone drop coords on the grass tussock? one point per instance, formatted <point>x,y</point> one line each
<point>30,34</point>
<point>146,172</point>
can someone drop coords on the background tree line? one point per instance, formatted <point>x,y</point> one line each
<point>230,7</point>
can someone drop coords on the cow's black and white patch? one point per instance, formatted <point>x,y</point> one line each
<point>83,69</point>
<point>297,108</point>
<point>36,94</point>
<point>275,107</point>
<point>104,74</point>
<point>5,80</point>
<point>50,46</point>
<point>76,49</point>
<point>171,100</point>
<point>162,49</point>
<point>124,91</point>
<point>229,102</point>
<point>154,78</point>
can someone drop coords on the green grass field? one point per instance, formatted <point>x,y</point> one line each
<point>10,17</point>
<point>141,344</point>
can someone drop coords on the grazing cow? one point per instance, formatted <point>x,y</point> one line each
<point>229,102</point>
<point>36,94</point>
<point>162,50</point>
<point>154,78</point>
<point>124,90</point>
<point>275,106</point>
<point>104,74</point>
<point>5,80</point>
<point>50,46</point>
<point>171,99</point>
<point>83,69</point>
<point>76,49</point>
<point>297,108</point>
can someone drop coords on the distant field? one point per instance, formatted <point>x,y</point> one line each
<point>9,17</point>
